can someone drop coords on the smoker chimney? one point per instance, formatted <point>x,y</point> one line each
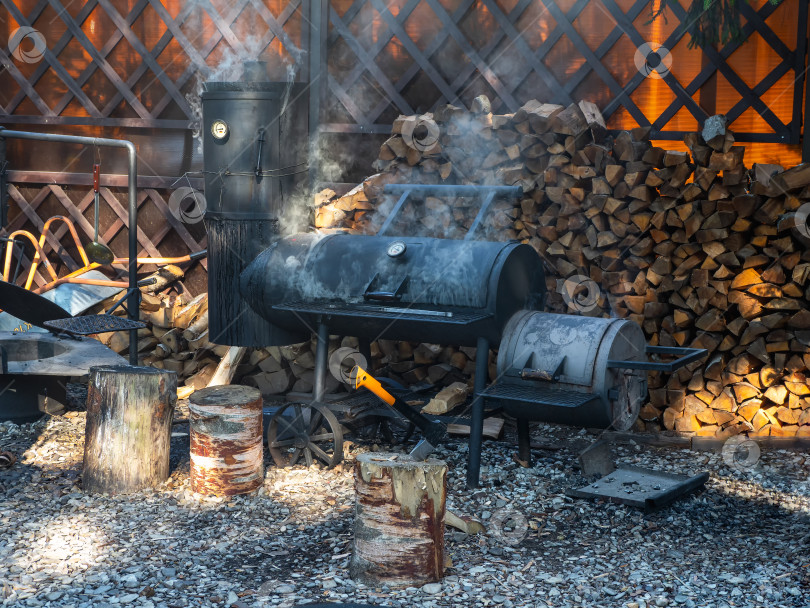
<point>255,156</point>
<point>255,71</point>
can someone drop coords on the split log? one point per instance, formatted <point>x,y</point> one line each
<point>399,520</point>
<point>227,366</point>
<point>448,398</point>
<point>129,416</point>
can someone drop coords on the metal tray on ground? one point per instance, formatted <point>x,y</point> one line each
<point>640,487</point>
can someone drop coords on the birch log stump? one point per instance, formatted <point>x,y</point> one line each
<point>399,520</point>
<point>226,440</point>
<point>129,420</point>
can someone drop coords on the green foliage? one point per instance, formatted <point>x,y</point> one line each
<point>708,22</point>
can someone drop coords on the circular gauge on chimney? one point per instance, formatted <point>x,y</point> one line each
<point>219,129</point>
<point>396,249</point>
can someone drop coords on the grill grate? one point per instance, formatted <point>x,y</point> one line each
<point>537,395</point>
<point>392,313</point>
<point>93,324</point>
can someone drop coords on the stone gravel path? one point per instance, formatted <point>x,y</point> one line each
<point>744,541</point>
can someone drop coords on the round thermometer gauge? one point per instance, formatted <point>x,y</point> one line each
<point>396,249</point>
<point>219,129</point>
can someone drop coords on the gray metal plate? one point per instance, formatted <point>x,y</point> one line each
<point>50,355</point>
<point>640,487</point>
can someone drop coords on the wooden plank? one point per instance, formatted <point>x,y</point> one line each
<point>612,38</point>
<point>597,66</point>
<point>136,123</point>
<point>20,220</point>
<point>107,179</point>
<point>224,27</point>
<point>344,98</point>
<point>174,27</point>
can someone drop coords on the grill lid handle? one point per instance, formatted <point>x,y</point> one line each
<point>384,296</point>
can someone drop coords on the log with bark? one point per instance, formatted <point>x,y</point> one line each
<point>129,416</point>
<point>399,520</point>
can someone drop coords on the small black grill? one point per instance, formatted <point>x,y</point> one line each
<point>93,324</point>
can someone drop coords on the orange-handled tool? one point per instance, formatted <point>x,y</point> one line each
<point>434,432</point>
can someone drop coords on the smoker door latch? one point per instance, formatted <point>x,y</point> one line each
<point>528,373</point>
<point>260,139</point>
<point>371,293</point>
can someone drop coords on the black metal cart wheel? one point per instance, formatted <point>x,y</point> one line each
<point>312,432</point>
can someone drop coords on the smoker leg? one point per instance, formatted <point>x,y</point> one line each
<point>321,362</point>
<point>477,422</point>
<point>524,441</point>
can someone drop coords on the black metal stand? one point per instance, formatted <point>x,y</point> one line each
<point>524,441</point>
<point>321,363</point>
<point>477,421</point>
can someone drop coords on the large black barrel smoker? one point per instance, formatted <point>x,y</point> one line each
<point>255,142</point>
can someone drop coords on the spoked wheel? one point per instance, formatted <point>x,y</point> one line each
<point>305,433</point>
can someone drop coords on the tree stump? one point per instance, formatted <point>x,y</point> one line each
<point>399,520</point>
<point>129,422</point>
<point>226,440</point>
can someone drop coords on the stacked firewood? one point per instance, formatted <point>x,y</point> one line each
<point>693,246</point>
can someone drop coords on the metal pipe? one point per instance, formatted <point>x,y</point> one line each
<point>479,217</point>
<point>321,363</point>
<point>32,271</point>
<point>477,420</point>
<point>43,234</point>
<point>3,185</point>
<point>132,176</point>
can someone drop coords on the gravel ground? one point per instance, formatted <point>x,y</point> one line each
<point>744,541</point>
